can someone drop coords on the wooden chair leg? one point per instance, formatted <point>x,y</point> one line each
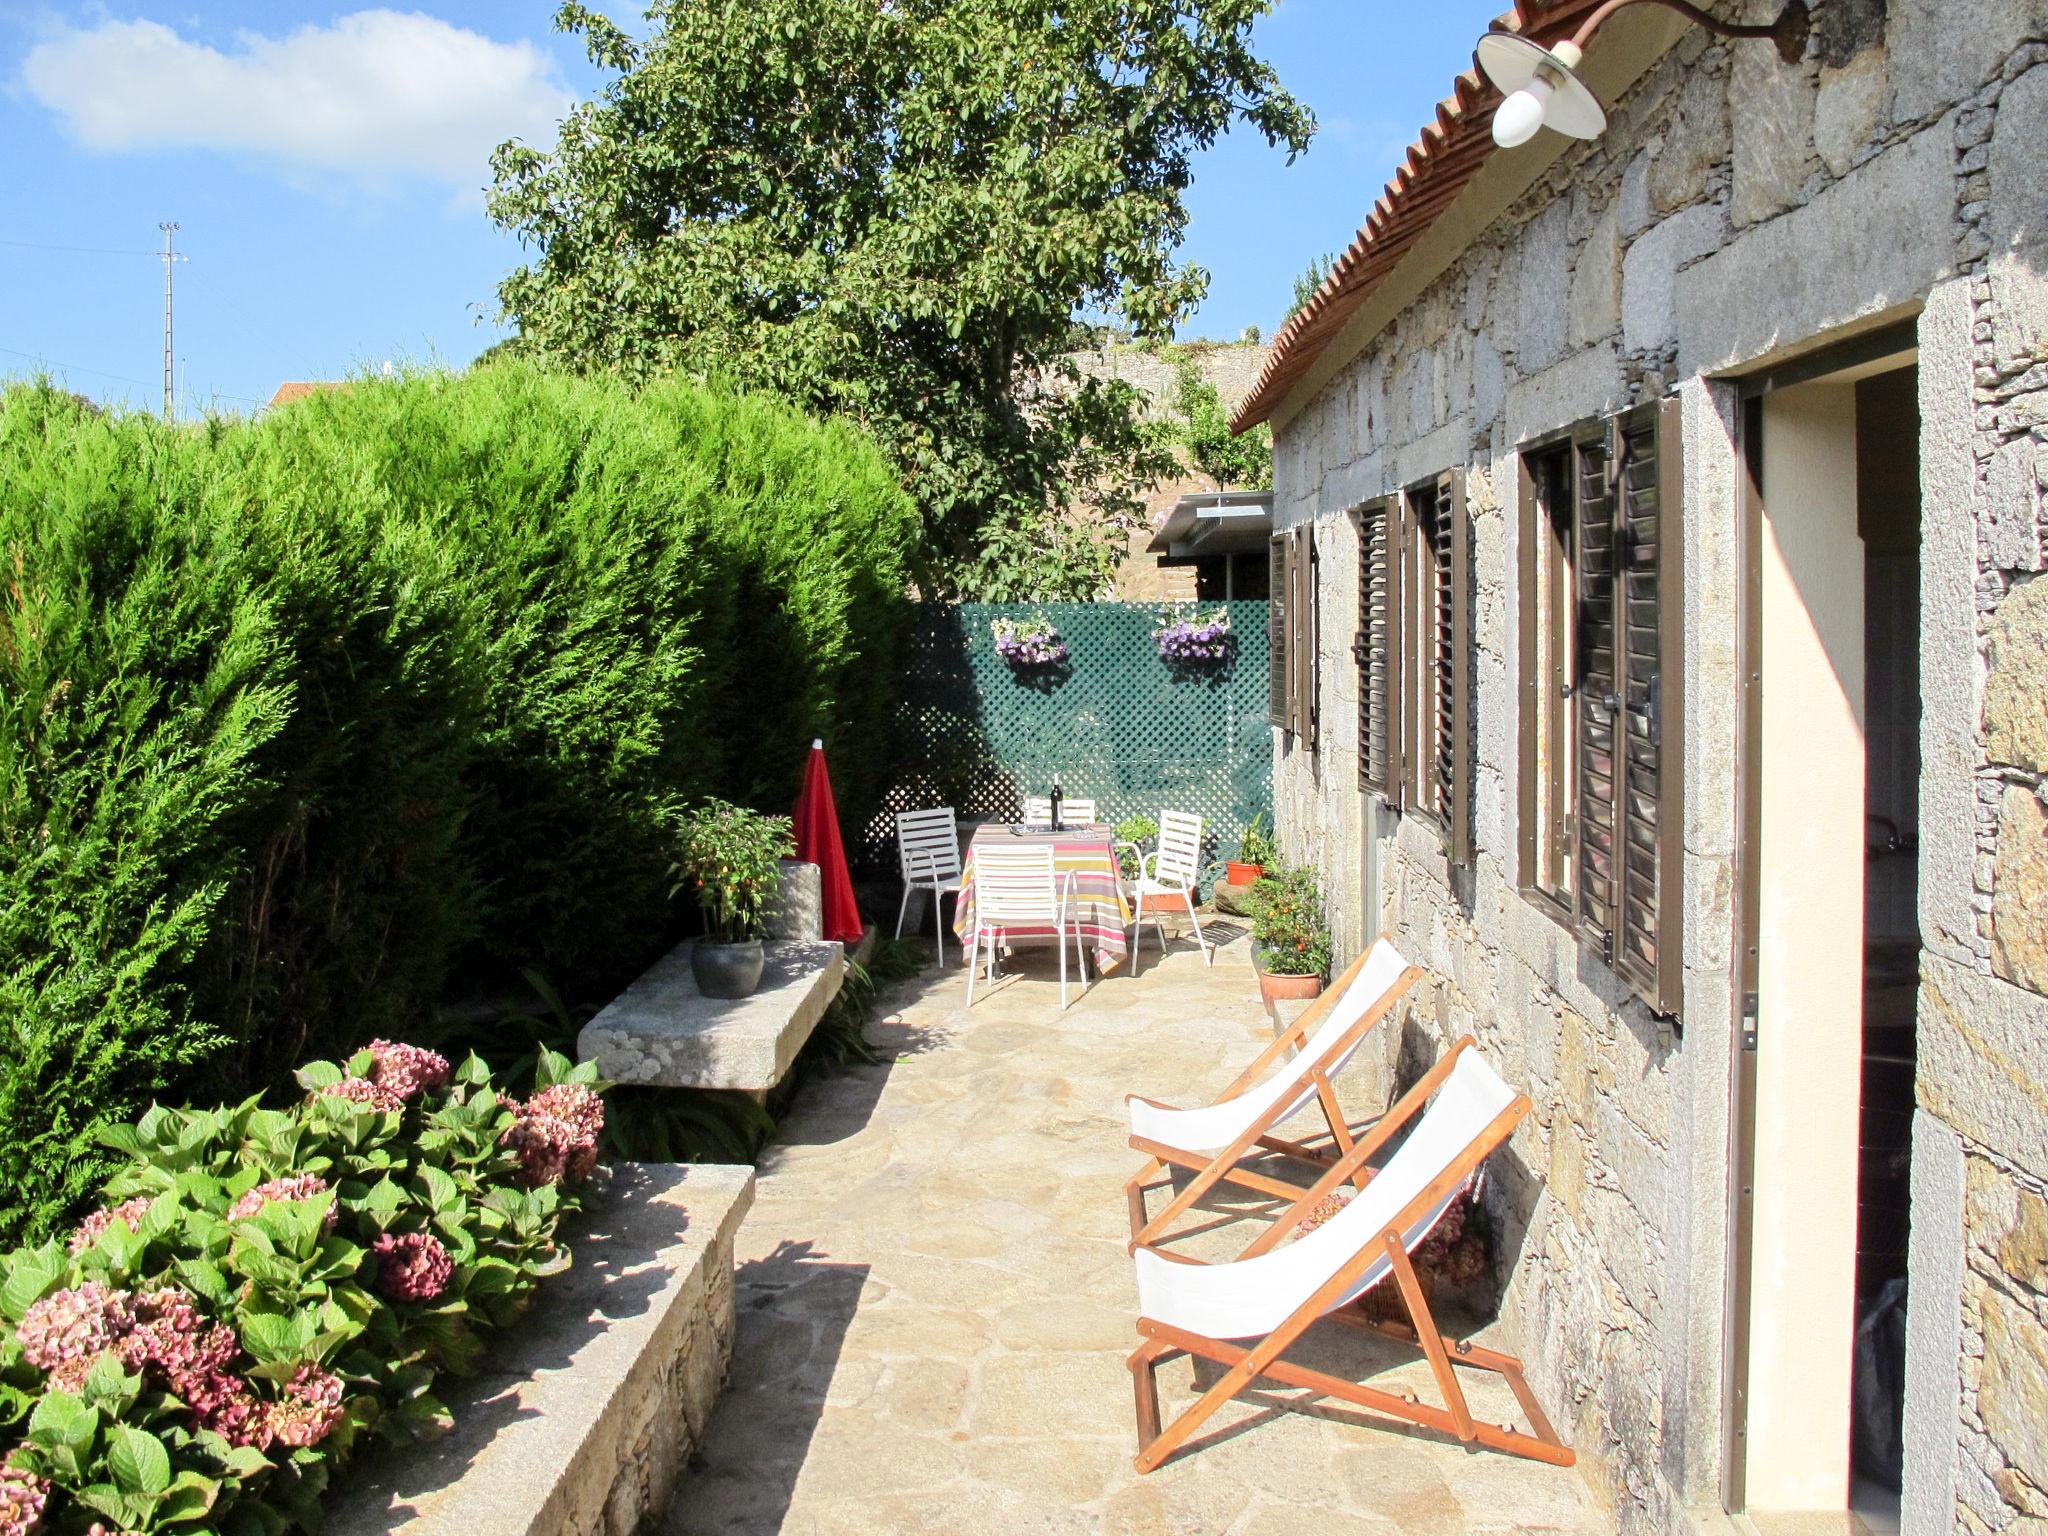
<point>1430,1338</point>
<point>1134,1193</point>
<point>1144,1364</point>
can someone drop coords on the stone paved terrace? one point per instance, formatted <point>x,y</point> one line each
<point>935,1303</point>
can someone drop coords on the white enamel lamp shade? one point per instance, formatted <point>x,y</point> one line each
<point>1541,90</point>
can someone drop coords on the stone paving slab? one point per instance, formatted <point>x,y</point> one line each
<point>662,1031</point>
<point>935,1302</point>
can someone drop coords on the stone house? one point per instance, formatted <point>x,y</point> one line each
<point>1664,662</point>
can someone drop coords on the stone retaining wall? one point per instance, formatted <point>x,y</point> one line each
<point>587,1412</point>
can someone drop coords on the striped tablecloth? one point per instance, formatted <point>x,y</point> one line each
<point>1089,855</point>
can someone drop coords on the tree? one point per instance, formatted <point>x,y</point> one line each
<point>896,212</point>
<point>1202,427</point>
<point>1305,286</point>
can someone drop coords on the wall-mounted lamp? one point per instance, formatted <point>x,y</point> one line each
<point>1542,86</point>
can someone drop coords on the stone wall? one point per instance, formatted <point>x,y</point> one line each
<point>1896,168</point>
<point>1233,367</point>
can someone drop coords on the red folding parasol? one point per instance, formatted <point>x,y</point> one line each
<point>817,842</point>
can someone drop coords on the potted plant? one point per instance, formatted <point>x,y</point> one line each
<point>1255,851</point>
<point>1195,640</point>
<point>1290,939</point>
<point>730,859</point>
<point>1029,643</point>
<point>1133,834</point>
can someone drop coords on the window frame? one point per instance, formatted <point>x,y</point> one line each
<point>1546,667</point>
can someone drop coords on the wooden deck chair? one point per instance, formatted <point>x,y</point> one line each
<point>1272,1294</point>
<point>1214,1140</point>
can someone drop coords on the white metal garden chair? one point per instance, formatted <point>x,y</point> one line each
<point>1073,811</point>
<point>928,843</point>
<point>1017,888</point>
<point>1170,870</point>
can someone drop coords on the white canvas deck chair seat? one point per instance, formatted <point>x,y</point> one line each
<point>1017,888</point>
<point>1214,1141</point>
<point>1073,812</point>
<point>1166,879</point>
<point>1271,1293</point>
<point>928,846</point>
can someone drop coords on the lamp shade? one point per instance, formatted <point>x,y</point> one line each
<point>1541,88</point>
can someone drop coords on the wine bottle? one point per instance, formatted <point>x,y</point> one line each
<point>1057,796</point>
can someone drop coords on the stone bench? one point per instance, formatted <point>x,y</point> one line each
<point>587,1409</point>
<point>662,1031</point>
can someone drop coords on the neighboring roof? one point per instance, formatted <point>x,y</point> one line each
<point>1215,523</point>
<point>1448,154</point>
<point>299,389</point>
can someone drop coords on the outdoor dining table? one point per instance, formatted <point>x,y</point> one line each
<point>1088,853</point>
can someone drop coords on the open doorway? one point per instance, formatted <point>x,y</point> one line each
<point>1831,773</point>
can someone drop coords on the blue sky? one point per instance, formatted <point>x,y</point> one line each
<point>325,163</point>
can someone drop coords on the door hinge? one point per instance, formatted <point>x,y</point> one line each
<point>1749,1011</point>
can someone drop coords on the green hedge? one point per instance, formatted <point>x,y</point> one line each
<point>310,724</point>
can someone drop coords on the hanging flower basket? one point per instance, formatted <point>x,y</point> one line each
<point>1198,640</point>
<point>1029,645</point>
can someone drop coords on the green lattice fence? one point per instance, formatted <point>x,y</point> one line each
<point>1113,723</point>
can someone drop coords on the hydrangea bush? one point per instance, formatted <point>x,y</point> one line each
<point>262,1288</point>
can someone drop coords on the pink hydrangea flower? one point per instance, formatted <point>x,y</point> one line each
<point>22,1495</point>
<point>406,1069</point>
<point>555,1134</point>
<point>64,1333</point>
<point>176,1347</point>
<point>412,1266</point>
<point>129,1213</point>
<point>309,1410</point>
<point>299,1186</point>
<point>364,1091</point>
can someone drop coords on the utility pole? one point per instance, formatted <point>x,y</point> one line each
<point>170,257</point>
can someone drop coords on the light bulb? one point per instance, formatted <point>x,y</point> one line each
<point>1521,114</point>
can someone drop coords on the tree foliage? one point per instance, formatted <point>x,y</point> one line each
<point>1202,427</point>
<point>1305,286</point>
<point>311,724</point>
<point>896,212</point>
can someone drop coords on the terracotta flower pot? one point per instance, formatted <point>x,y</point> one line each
<point>1240,873</point>
<point>1285,989</point>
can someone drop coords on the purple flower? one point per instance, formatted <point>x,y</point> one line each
<point>412,1266</point>
<point>299,1186</point>
<point>129,1213</point>
<point>1038,645</point>
<point>22,1495</point>
<point>406,1069</point>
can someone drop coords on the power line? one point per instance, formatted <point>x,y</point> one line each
<point>74,250</point>
<point>51,362</point>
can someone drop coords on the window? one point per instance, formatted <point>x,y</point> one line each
<point>1601,755</point>
<point>1414,655</point>
<point>1291,660</point>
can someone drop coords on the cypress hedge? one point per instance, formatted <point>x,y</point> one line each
<point>313,724</point>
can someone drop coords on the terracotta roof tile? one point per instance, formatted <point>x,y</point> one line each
<point>1443,159</point>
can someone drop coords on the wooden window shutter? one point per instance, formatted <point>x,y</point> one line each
<point>1531,682</point>
<point>1595,690</point>
<point>1276,632</point>
<point>1457,728</point>
<point>1649,815</point>
<point>1308,705</point>
<point>1378,681</point>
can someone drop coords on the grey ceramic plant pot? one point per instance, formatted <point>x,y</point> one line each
<point>727,970</point>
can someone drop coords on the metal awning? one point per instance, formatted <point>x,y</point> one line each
<point>1215,523</point>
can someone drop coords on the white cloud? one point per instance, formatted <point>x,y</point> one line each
<point>376,96</point>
